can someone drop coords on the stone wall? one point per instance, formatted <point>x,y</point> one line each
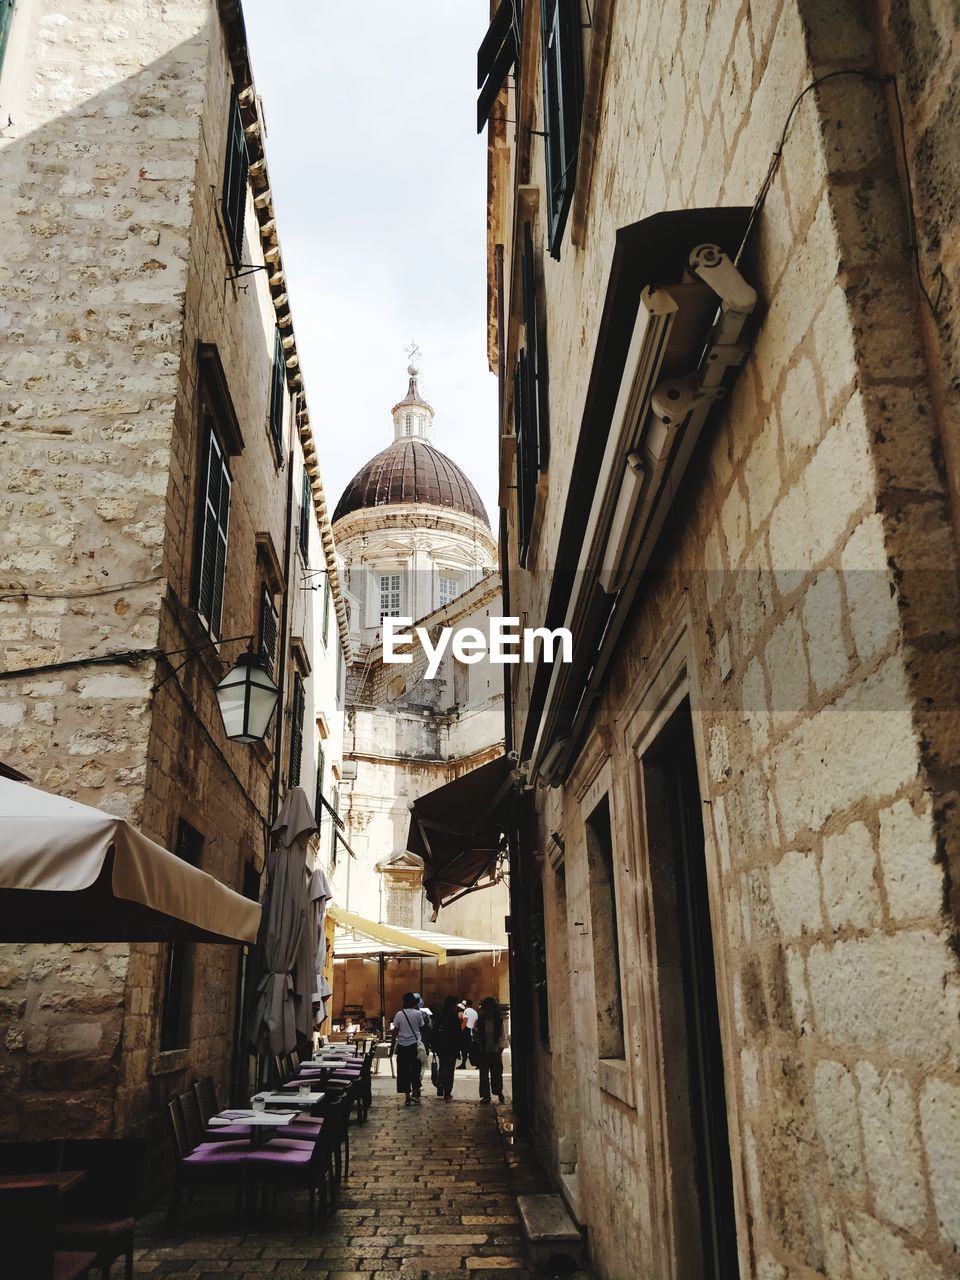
<point>814,536</point>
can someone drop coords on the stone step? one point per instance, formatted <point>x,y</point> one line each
<point>554,1243</point>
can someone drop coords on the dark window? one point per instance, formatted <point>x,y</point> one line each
<point>531,420</point>
<point>296,730</point>
<point>538,946</point>
<point>178,987</point>
<point>6,14</point>
<point>306,508</point>
<point>212,539</point>
<point>562,47</point>
<point>235,173</point>
<point>326,611</point>
<point>318,803</point>
<point>696,1113</point>
<point>269,625</point>
<point>496,55</point>
<point>277,387</point>
<point>604,931</point>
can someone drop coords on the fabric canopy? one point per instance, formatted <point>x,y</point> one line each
<point>70,873</point>
<point>458,828</point>
<point>389,938</point>
<point>347,946</point>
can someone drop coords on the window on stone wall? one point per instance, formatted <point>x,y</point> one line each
<point>340,674</point>
<point>538,948</point>
<point>306,510</point>
<point>530,412</point>
<point>604,932</point>
<point>335,806</point>
<point>178,974</point>
<point>268,629</point>
<point>212,533</point>
<point>562,46</point>
<point>235,173</point>
<point>389,595</point>
<point>326,611</point>
<point>278,386</point>
<point>296,730</point>
<point>447,589</point>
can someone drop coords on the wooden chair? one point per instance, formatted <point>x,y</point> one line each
<point>28,1219</point>
<point>99,1214</point>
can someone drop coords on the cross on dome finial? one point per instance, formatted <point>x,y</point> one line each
<point>414,355</point>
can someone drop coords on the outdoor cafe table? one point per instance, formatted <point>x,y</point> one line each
<point>284,1099</point>
<point>64,1179</point>
<point>261,1122</point>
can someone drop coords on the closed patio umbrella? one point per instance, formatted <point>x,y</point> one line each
<point>71,873</point>
<point>272,1022</point>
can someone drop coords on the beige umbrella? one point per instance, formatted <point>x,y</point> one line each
<point>272,1022</point>
<point>71,873</point>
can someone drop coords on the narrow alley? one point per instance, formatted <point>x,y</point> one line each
<point>431,1193</point>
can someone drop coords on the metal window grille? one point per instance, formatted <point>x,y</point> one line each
<point>277,388</point>
<point>296,730</point>
<point>235,174</point>
<point>215,519</point>
<point>389,595</point>
<point>562,46</point>
<point>268,629</point>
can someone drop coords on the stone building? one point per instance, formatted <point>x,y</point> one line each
<point>162,509</point>
<point>733,472</point>
<point>415,542</point>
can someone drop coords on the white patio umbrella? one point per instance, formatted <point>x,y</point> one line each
<point>71,873</point>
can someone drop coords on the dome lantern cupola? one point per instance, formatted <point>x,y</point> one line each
<point>413,416</point>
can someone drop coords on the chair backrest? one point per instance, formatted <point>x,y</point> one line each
<point>28,1219</point>
<point>294,1059</point>
<point>206,1092</point>
<point>192,1124</point>
<point>113,1167</point>
<point>177,1130</point>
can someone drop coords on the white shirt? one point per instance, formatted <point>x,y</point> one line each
<point>408,1023</point>
<point>470,1017</point>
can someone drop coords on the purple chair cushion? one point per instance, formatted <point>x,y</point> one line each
<point>227,1133</point>
<point>210,1154</point>
<point>284,1159</point>
<point>72,1266</point>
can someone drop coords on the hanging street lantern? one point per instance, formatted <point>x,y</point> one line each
<point>248,698</point>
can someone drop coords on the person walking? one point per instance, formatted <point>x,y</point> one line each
<point>445,1042</point>
<point>406,1037</point>
<point>490,1040</point>
<point>470,1016</point>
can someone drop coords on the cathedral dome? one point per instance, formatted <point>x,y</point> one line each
<point>410,470</point>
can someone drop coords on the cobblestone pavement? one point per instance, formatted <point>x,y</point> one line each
<point>431,1194</point>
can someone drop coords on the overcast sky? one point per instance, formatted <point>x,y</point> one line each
<point>379,184</point>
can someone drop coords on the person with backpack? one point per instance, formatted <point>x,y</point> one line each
<point>489,1042</point>
<point>407,1039</point>
<point>445,1042</point>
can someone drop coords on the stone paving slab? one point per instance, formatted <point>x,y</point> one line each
<point>431,1196</point>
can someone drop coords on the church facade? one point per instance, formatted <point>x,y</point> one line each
<point>414,541</point>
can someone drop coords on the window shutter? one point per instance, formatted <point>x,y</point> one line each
<point>306,507</point>
<point>562,47</point>
<point>236,172</point>
<point>318,803</point>
<point>335,806</point>
<point>339,672</point>
<point>277,387</point>
<point>296,731</point>
<point>213,539</point>
<point>496,55</point>
<point>269,626</point>
<point>536,389</point>
<point>526,455</point>
<point>326,610</point>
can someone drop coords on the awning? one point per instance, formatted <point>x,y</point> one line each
<point>347,946</point>
<point>458,829</point>
<point>391,939</point>
<point>70,873</point>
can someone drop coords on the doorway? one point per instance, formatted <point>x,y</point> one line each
<point>701,1178</point>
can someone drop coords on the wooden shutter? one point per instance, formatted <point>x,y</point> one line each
<point>537,391</point>
<point>296,730</point>
<point>236,172</point>
<point>213,537</point>
<point>496,55</point>
<point>6,15</point>
<point>277,387</point>
<point>562,46</point>
<point>306,507</point>
<point>326,610</point>
<point>526,456</point>
<point>339,672</point>
<point>269,626</point>
<point>335,806</point>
